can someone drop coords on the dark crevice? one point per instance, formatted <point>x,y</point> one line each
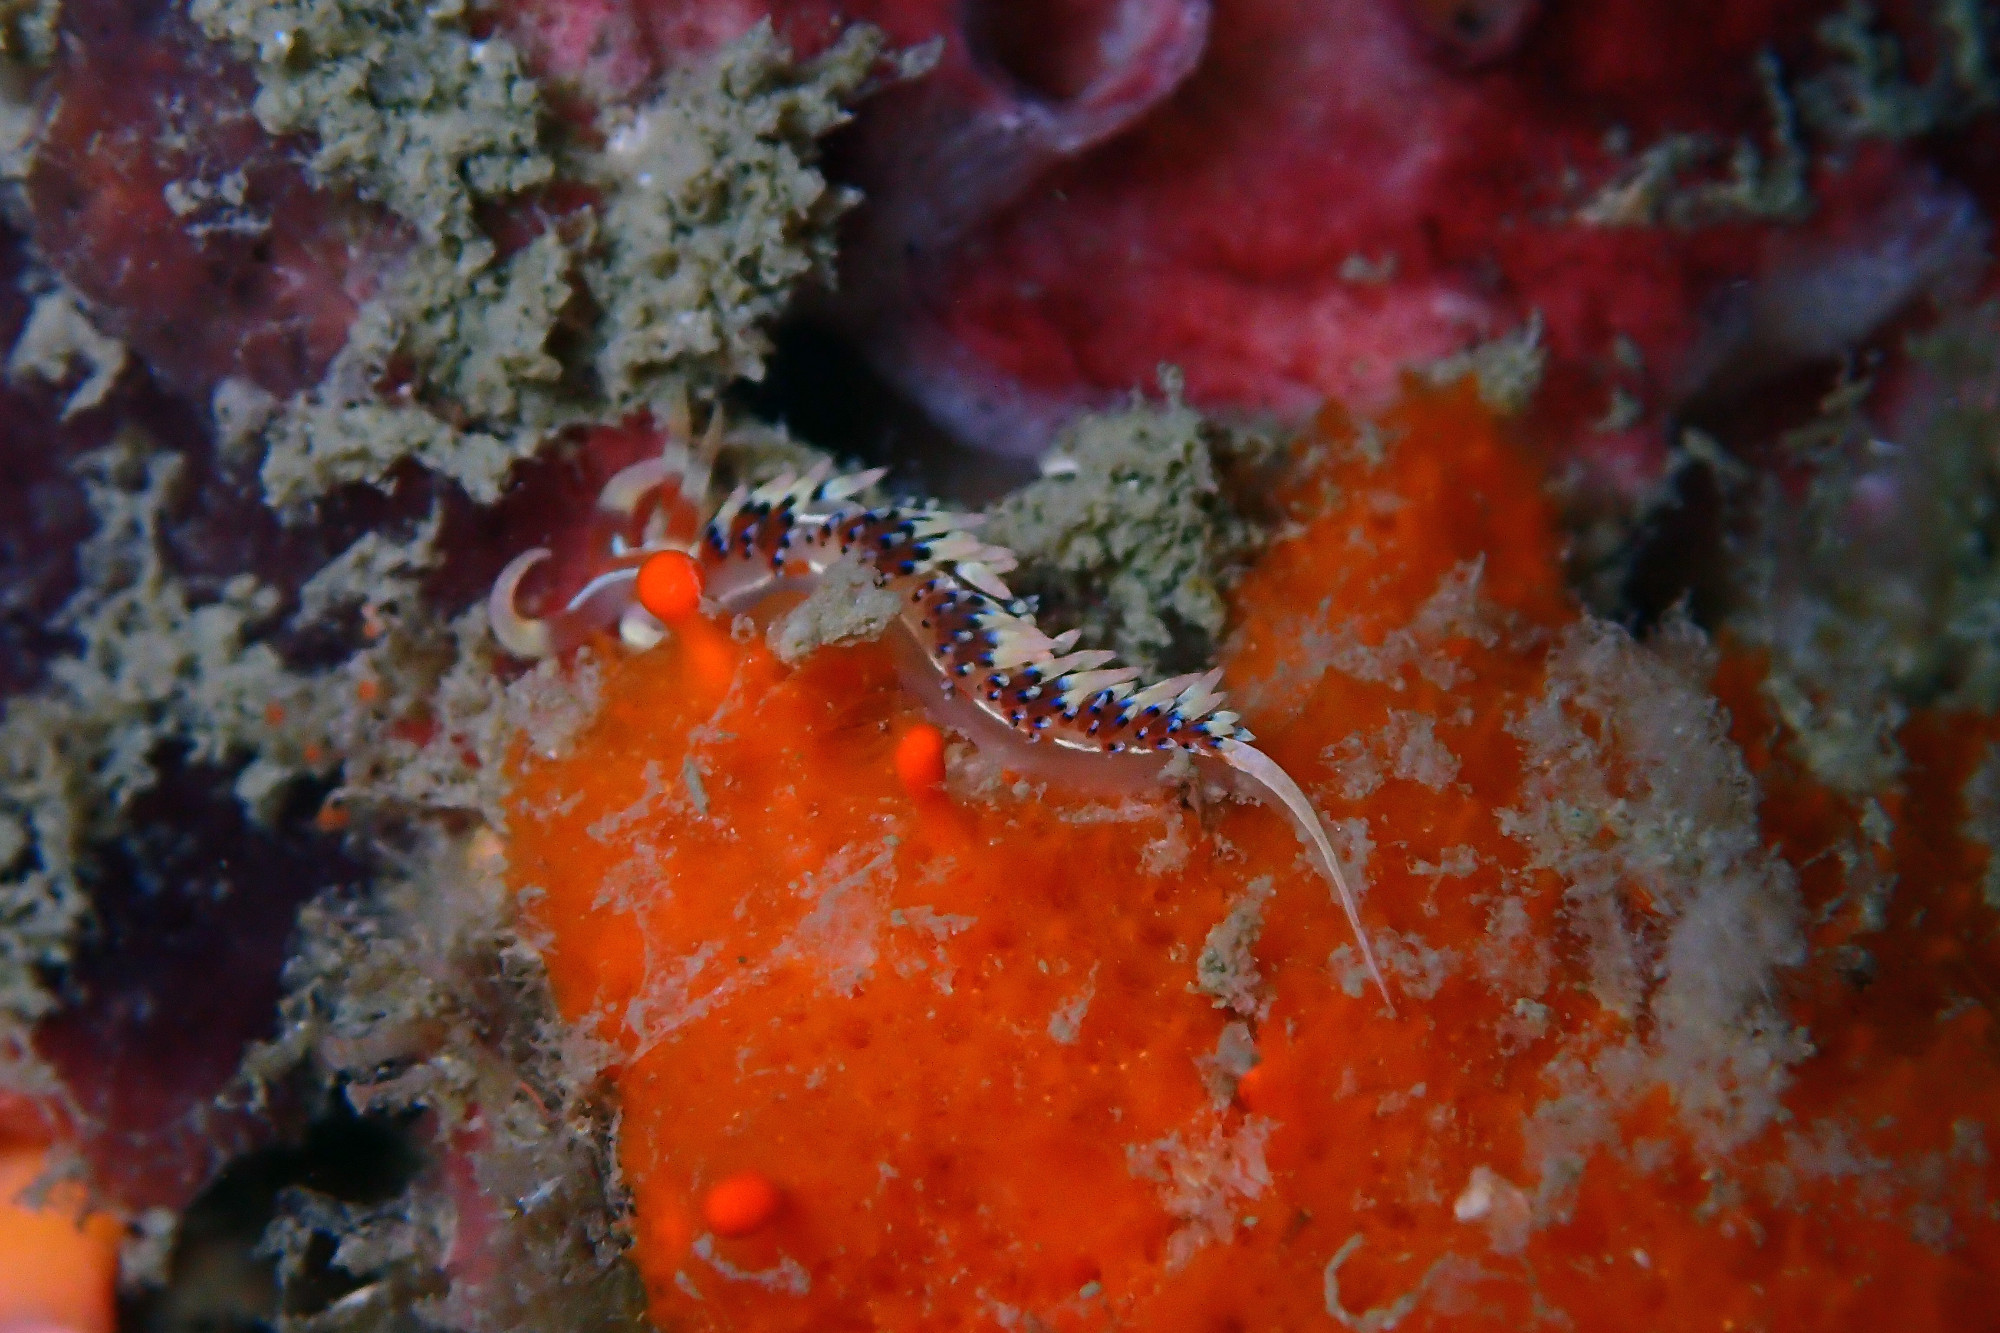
<point>1678,557</point>
<point>1054,49</point>
<point>217,1281</point>
<point>192,915</point>
<point>822,389</point>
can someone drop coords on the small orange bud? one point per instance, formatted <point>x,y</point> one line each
<point>274,715</point>
<point>712,655</point>
<point>368,690</point>
<point>1253,1089</point>
<point>741,1204</point>
<point>920,758</point>
<point>670,586</point>
<point>331,818</point>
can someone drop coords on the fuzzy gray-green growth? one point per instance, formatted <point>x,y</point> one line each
<point>28,30</point>
<point>59,344</point>
<point>429,979</point>
<point>27,44</point>
<point>718,211</point>
<point>160,669</point>
<point>1982,820</point>
<point>1131,535</point>
<point>411,111</point>
<point>240,409</point>
<point>424,975</point>
<point>1867,91</point>
<point>40,914</point>
<point>1958,451</point>
<point>1226,969</point>
<point>404,104</point>
<point>481,340</point>
<point>713,212</point>
<point>153,668</point>
<point>1507,369</point>
<point>420,993</point>
<point>1760,183</point>
<point>1881,591</point>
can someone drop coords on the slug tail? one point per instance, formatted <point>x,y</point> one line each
<point>1263,770</point>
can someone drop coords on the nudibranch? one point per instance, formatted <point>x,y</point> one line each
<point>971,648</point>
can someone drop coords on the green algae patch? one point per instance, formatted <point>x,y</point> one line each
<point>1133,534</point>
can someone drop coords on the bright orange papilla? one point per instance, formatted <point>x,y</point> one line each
<point>740,1204</point>
<point>920,758</point>
<point>966,1031</point>
<point>669,586</point>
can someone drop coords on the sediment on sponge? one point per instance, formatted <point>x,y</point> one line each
<point>846,604</point>
<point>1638,792</point>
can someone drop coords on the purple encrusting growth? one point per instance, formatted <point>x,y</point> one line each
<point>987,662</point>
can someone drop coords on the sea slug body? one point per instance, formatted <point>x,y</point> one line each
<point>974,651</point>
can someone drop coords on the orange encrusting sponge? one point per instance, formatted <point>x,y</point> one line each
<point>57,1268</point>
<point>1020,1057</point>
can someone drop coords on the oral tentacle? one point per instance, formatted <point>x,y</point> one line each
<point>519,634</point>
